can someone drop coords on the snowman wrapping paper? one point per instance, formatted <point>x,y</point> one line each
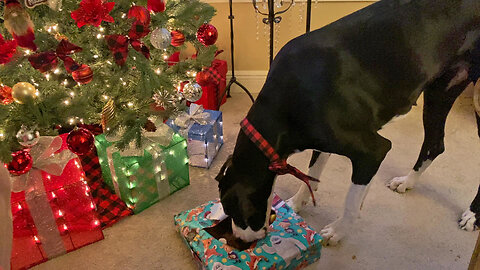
<point>289,244</point>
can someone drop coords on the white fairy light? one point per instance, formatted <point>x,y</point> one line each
<point>56,71</point>
<point>108,62</point>
<point>124,15</point>
<point>101,29</point>
<point>72,94</point>
<point>47,76</point>
<point>65,82</point>
<point>165,57</point>
<point>158,71</point>
<point>71,121</point>
<point>130,104</point>
<point>99,36</point>
<point>28,52</point>
<point>95,56</point>
<point>105,97</point>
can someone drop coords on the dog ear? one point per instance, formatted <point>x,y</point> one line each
<point>224,168</point>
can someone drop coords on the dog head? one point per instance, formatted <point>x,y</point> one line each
<point>244,197</point>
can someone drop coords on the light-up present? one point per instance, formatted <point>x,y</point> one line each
<point>289,244</point>
<point>52,212</point>
<point>204,129</point>
<point>142,177</point>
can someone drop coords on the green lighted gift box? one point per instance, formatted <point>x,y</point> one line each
<point>142,177</point>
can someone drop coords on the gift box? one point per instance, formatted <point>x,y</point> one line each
<point>204,130</point>
<point>52,210</point>
<point>290,243</point>
<point>142,177</point>
<point>213,84</point>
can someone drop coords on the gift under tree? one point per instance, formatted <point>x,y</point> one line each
<point>69,62</point>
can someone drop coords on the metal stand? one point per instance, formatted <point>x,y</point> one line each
<point>233,80</point>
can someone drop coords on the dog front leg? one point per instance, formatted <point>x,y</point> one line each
<point>365,166</point>
<point>316,166</point>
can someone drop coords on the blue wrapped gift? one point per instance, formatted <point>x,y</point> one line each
<point>204,130</point>
<point>290,243</point>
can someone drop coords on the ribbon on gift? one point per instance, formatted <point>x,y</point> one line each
<point>45,159</point>
<point>49,60</point>
<point>196,114</point>
<point>118,44</point>
<point>152,141</point>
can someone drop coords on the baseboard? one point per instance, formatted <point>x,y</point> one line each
<point>253,80</point>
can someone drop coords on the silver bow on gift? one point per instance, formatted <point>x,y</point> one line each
<point>186,120</point>
<point>44,159</point>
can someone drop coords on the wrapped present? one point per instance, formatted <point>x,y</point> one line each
<point>141,177</point>
<point>204,130</point>
<point>213,82</point>
<point>290,243</point>
<point>52,209</point>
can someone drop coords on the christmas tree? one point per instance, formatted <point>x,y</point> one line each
<point>71,62</point>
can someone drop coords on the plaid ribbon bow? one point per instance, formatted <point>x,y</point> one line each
<point>118,44</point>
<point>278,165</point>
<point>49,60</point>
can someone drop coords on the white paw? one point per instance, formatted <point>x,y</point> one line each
<point>332,233</point>
<point>467,221</point>
<point>295,204</point>
<point>401,184</point>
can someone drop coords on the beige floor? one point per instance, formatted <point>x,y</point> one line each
<point>413,231</point>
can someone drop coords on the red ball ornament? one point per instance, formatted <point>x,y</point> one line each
<point>80,141</point>
<point>207,34</point>
<point>156,5</point>
<point>83,74</point>
<point>21,163</point>
<point>178,38</point>
<point>5,95</point>
<point>203,78</point>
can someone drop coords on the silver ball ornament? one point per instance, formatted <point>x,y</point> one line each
<point>160,38</point>
<point>192,91</point>
<point>28,137</point>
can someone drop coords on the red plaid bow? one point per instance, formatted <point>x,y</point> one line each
<point>118,44</point>
<point>48,60</point>
<point>278,165</point>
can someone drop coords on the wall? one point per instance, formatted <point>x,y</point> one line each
<point>251,49</point>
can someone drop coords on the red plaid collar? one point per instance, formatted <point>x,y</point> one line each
<point>278,165</point>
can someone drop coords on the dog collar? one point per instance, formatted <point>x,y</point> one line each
<point>277,165</point>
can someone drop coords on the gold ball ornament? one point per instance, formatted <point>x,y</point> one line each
<point>22,91</point>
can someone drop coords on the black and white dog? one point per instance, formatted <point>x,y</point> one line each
<point>332,89</point>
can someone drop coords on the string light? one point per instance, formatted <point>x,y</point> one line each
<point>35,238</point>
<point>56,71</point>
<point>28,52</point>
<point>158,71</point>
<point>19,207</point>
<point>99,36</point>
<point>72,94</point>
<point>101,29</point>
<point>53,195</point>
<point>60,213</point>
<point>95,56</point>
<point>47,76</point>
<point>67,102</point>
<point>65,82</point>
<point>130,104</point>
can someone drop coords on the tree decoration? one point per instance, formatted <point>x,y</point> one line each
<point>202,78</point>
<point>118,44</point>
<point>173,59</point>
<point>7,50</point>
<point>22,91</point>
<point>5,95</point>
<point>140,13</point>
<point>178,38</point>
<point>19,25</point>
<point>108,114</point>
<point>192,91</point>
<point>80,141</point>
<point>160,38</point>
<point>83,74</point>
<point>156,5</point>
<point>53,4</point>
<point>93,12</point>
<point>207,34</point>
<point>21,163</point>
<point>28,137</point>
<point>47,61</point>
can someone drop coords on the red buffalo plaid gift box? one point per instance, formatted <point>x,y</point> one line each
<point>213,82</point>
<point>53,212</point>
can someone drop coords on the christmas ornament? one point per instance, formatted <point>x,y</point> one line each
<point>108,113</point>
<point>53,4</point>
<point>140,13</point>
<point>19,25</point>
<point>177,38</point>
<point>5,95</point>
<point>156,5</point>
<point>47,61</point>
<point>80,141</point>
<point>93,12</point>
<point>160,38</point>
<point>27,137</point>
<point>22,91</point>
<point>118,44</point>
<point>192,92</point>
<point>207,34</point>
<point>21,163</point>
<point>272,218</point>
<point>202,78</point>
<point>83,74</point>
<point>7,50</point>
<point>173,59</point>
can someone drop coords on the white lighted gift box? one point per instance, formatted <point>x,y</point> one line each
<point>204,129</point>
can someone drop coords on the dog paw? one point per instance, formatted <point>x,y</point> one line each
<point>332,233</point>
<point>401,184</point>
<point>295,204</point>
<point>467,221</point>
